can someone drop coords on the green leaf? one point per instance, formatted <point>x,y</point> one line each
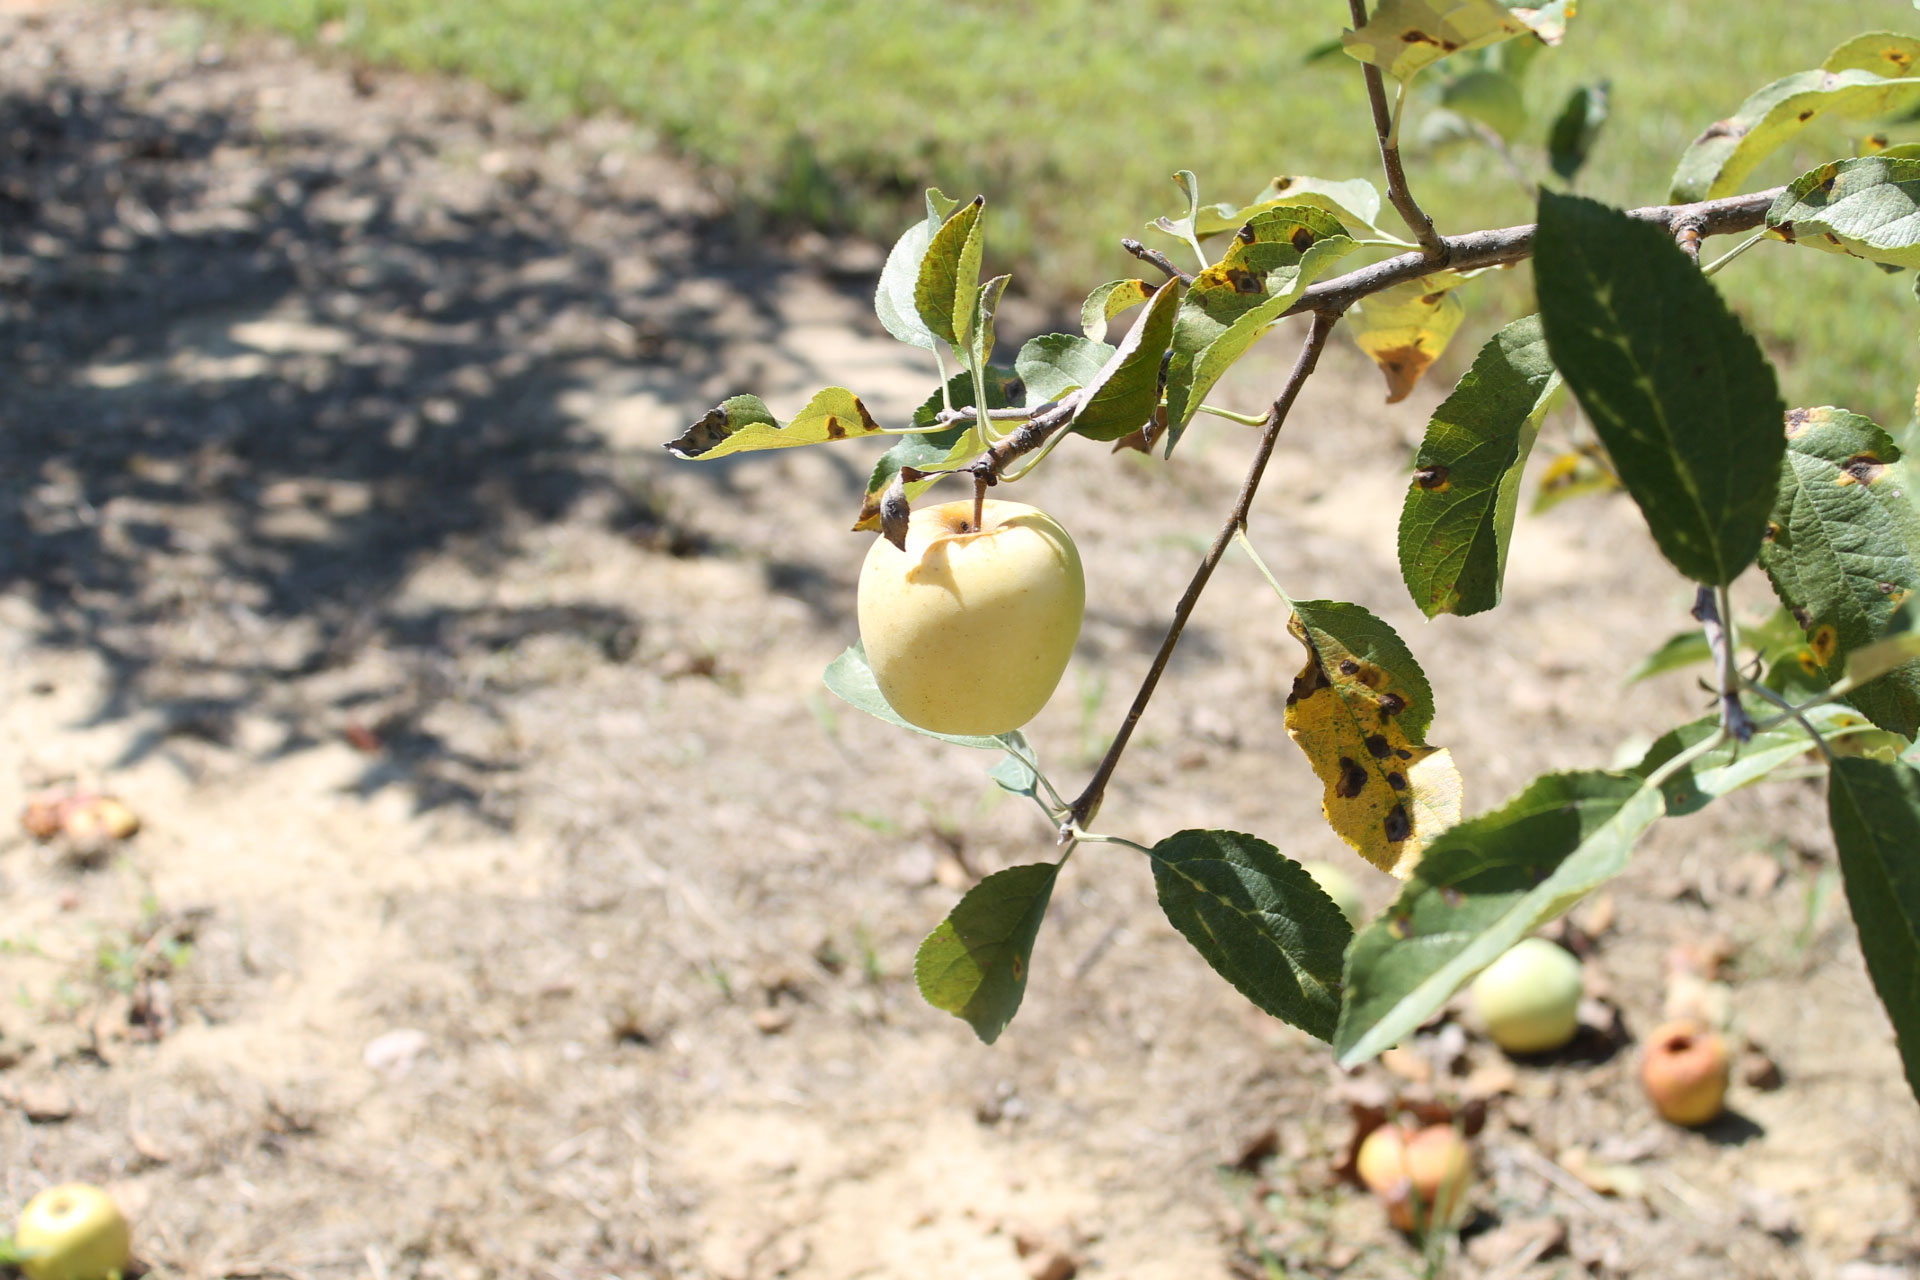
<point>1124,394</point>
<point>1480,888</point>
<point>1259,919</point>
<point>743,424</point>
<point>1458,517</point>
<point>1108,301</point>
<point>1355,202</point>
<point>1490,97</point>
<point>945,296</point>
<point>1882,656</point>
<point>1013,774</point>
<point>1577,127</point>
<point>1403,36</point>
<point>974,964</point>
<point>1867,76</point>
<point>1867,207</point>
<point>1183,226</point>
<point>1675,387</point>
<point>893,299</point>
<point>1681,650</point>
<point>1874,809</point>
<point>1360,709</point>
<point>938,450</point>
<point>1404,328</point>
<point>986,306</point>
<point>1233,303</point>
<point>1841,550</point>
<point>1733,765</point>
<point>1052,364</point>
<point>851,679</point>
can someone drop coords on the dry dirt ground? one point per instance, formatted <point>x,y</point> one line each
<point>513,901</point>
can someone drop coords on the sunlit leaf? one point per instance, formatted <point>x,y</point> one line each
<point>743,424</point>
<point>946,294</point>
<point>938,450</point>
<point>1733,765</point>
<point>1259,919</point>
<point>1403,329</point>
<point>1183,225</point>
<point>1122,396</point>
<point>1229,306</point>
<point>1355,202</point>
<point>1480,888</point>
<point>986,308</point>
<point>1359,709</point>
<point>893,299</point>
<point>1870,75</point>
<point>1868,207</point>
<point>1458,516</point>
<point>1874,809</point>
<point>1674,386</point>
<point>1108,301</point>
<point>1403,36</point>
<point>974,965</point>
<point>1052,364</point>
<point>1841,550</point>
<point>1577,127</point>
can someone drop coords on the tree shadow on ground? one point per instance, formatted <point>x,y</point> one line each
<point>256,373</point>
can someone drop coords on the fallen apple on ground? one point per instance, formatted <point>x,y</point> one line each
<point>1530,997</point>
<point>1685,1070</point>
<point>72,1232</point>
<point>968,630</point>
<point>1421,1176</point>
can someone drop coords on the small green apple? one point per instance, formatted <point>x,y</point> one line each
<point>1341,887</point>
<point>1530,997</point>
<point>72,1232</point>
<point>969,629</point>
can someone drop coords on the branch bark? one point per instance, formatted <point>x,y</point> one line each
<point>1432,244</point>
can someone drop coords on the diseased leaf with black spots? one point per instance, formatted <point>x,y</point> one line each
<point>1480,888</point>
<point>974,965</point>
<point>1868,207</point>
<point>1843,550</point>
<point>1355,202</point>
<point>1403,36</point>
<point>1123,395</point>
<point>1870,75</point>
<point>1874,809</point>
<point>1360,709</point>
<point>1259,919</point>
<point>1108,301</point>
<point>743,424</point>
<point>1459,512</point>
<point>1676,388</point>
<point>1231,304</point>
<point>1404,329</point>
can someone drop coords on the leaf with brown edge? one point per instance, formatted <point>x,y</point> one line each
<point>1403,36</point>
<point>743,424</point>
<point>1404,329</point>
<point>1360,710</point>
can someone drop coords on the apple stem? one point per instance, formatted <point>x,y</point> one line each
<point>1082,810</point>
<point>980,483</point>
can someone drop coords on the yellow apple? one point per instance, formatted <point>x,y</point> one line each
<point>968,630</point>
<point>1422,1176</point>
<point>72,1232</point>
<point>1530,997</point>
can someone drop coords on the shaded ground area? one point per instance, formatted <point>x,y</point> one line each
<point>512,901</point>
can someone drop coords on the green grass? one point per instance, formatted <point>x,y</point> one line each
<point>1070,114</point>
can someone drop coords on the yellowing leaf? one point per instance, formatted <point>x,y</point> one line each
<point>743,423</point>
<point>1403,36</point>
<point>1359,709</point>
<point>1404,329</point>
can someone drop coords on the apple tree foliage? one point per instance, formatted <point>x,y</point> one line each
<point>1688,420</point>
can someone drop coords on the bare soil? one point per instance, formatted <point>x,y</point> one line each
<point>511,899</point>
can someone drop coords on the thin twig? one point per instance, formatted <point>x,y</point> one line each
<point>1710,609</point>
<point>1819,739</point>
<point>1155,258</point>
<point>1434,246</point>
<point>1082,810</point>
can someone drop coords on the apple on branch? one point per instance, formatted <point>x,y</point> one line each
<point>968,629</point>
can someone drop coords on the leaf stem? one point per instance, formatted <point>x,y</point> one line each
<point>1088,802</point>
<point>1093,837</point>
<point>1244,419</point>
<point>1819,739</point>
<point>1734,252</point>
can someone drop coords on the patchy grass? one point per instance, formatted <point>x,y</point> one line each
<point>1070,115</point>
